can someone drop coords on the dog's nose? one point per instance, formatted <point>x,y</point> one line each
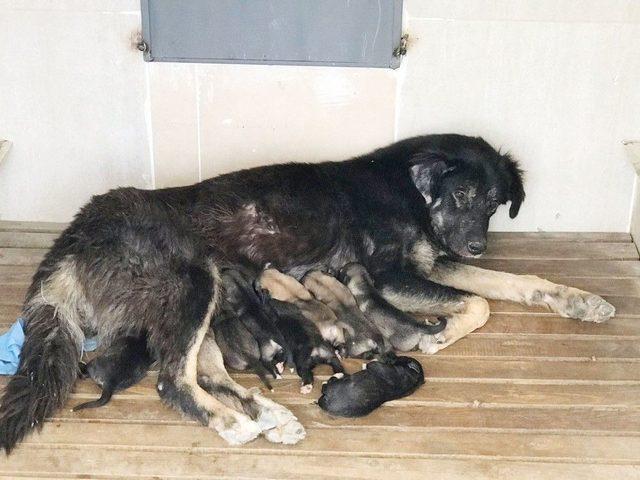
<point>476,248</point>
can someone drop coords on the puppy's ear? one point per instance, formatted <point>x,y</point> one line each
<point>515,185</point>
<point>426,170</point>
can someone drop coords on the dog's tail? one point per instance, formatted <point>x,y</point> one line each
<point>46,374</point>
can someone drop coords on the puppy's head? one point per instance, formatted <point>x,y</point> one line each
<point>404,372</point>
<point>463,180</point>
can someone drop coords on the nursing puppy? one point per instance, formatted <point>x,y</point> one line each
<point>363,338</point>
<point>400,329</point>
<point>248,306</point>
<point>122,365</point>
<point>307,347</point>
<point>239,348</point>
<point>285,288</point>
<point>382,380</point>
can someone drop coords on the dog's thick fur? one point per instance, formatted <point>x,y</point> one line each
<point>135,260</point>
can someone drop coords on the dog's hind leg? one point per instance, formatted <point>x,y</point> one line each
<point>526,289</point>
<point>177,336</point>
<point>278,423</point>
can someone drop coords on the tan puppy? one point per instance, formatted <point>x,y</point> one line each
<point>363,337</point>
<point>287,289</point>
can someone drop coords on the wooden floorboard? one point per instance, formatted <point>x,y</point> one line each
<point>529,395</point>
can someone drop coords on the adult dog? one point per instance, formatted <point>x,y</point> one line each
<point>136,260</point>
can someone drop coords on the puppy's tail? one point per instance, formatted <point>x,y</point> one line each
<point>435,328</point>
<point>262,372</point>
<point>107,393</point>
<point>46,374</point>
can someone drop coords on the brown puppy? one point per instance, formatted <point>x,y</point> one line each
<point>287,289</point>
<point>363,337</point>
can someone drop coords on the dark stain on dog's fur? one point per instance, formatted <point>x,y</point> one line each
<point>382,380</point>
<point>121,366</point>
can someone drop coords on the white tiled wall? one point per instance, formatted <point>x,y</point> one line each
<point>72,101</point>
<point>554,81</point>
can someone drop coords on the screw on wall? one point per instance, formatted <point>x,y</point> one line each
<point>138,43</point>
<point>401,49</point>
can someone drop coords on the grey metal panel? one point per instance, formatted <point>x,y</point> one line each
<point>360,33</point>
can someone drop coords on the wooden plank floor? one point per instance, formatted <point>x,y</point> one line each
<point>530,395</point>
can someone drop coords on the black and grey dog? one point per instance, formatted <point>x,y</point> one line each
<point>136,260</point>
<point>388,378</point>
<point>122,365</point>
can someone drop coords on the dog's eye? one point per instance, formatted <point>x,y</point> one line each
<point>459,194</point>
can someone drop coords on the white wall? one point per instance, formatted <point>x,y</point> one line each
<point>555,82</point>
<point>72,101</point>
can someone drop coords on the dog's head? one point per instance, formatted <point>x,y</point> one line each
<point>463,180</point>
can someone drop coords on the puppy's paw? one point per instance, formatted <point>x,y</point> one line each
<point>306,389</point>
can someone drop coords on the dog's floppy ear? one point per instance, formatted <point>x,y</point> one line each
<point>426,170</point>
<point>515,192</point>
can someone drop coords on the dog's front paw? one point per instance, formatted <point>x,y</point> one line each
<point>584,306</point>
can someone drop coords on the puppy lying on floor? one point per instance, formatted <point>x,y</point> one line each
<point>285,288</point>
<point>363,339</point>
<point>382,380</point>
<point>404,332</point>
<point>124,363</point>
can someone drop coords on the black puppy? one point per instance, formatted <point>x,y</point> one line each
<point>402,330</point>
<point>239,348</point>
<point>382,380</point>
<point>248,306</point>
<point>304,342</point>
<point>122,365</point>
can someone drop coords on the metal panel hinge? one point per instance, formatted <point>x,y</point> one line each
<point>401,49</point>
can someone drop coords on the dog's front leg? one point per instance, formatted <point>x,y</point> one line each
<point>526,289</point>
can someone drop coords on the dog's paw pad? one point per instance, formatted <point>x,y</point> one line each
<point>267,419</point>
<point>240,431</point>
<point>589,308</point>
<point>288,434</point>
